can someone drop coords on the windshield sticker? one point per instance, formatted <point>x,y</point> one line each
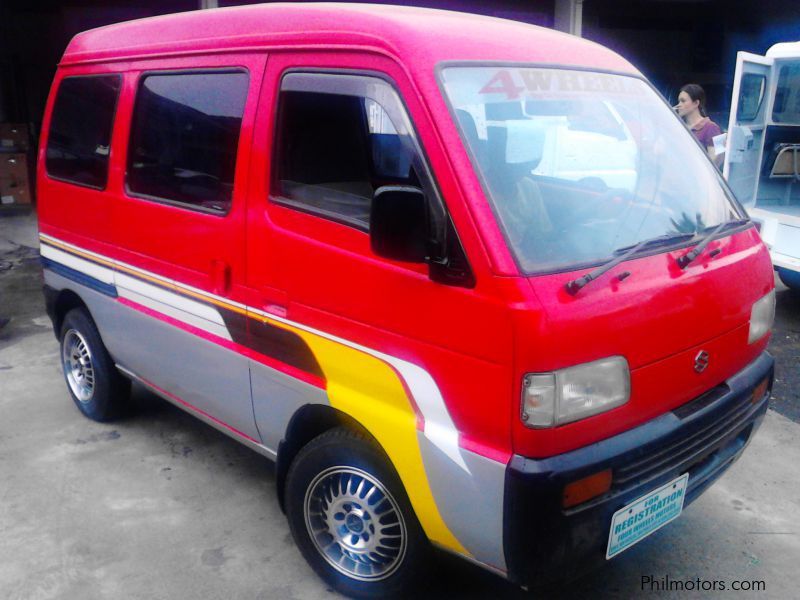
<point>515,83</point>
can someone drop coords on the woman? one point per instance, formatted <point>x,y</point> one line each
<point>692,107</point>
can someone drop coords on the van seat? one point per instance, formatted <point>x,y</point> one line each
<point>786,162</point>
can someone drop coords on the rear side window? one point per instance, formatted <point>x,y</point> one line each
<point>184,138</point>
<point>341,137</point>
<point>787,95</point>
<point>78,145</point>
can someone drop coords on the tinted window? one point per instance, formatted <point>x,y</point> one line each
<point>80,129</point>
<point>750,96</point>
<point>184,138</point>
<point>335,149</point>
<point>787,96</point>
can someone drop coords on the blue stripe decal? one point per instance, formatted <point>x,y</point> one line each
<point>78,277</point>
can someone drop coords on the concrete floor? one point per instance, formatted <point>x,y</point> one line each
<point>161,506</point>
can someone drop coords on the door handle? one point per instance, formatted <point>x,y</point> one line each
<point>220,277</point>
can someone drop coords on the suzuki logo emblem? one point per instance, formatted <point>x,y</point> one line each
<point>701,361</point>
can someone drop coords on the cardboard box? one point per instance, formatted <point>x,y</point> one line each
<point>14,166</point>
<point>20,198</point>
<point>14,135</point>
<point>14,191</point>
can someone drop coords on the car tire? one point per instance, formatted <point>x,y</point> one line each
<point>351,518</point>
<point>99,391</point>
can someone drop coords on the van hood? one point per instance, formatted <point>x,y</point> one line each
<point>659,318</point>
<point>659,309</point>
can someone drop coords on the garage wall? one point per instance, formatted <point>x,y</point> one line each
<point>33,35</point>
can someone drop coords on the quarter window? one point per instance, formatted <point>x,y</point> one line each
<point>341,137</point>
<point>78,145</point>
<point>185,136</point>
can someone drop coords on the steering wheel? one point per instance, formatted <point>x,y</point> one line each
<point>607,221</point>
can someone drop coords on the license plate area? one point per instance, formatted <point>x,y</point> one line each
<point>634,522</point>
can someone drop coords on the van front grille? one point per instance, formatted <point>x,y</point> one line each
<point>679,454</point>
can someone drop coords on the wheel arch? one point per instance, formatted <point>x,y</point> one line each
<point>307,423</point>
<point>65,301</point>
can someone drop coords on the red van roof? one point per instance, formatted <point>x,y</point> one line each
<point>425,36</point>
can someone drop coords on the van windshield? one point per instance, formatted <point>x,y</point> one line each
<point>579,164</point>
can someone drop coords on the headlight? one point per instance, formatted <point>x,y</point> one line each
<point>550,399</point>
<point>761,317</point>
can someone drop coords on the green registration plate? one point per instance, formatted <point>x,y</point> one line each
<point>639,519</point>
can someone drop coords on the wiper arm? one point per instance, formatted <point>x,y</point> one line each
<point>687,258</point>
<point>623,254</point>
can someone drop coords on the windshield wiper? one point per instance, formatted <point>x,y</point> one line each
<point>687,258</point>
<point>623,254</point>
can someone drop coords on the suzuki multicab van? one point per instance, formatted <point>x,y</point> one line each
<point>469,282</point>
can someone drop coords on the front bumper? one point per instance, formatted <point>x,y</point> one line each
<point>545,542</point>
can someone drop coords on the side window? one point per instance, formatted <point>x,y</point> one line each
<point>184,138</point>
<point>80,129</point>
<point>339,138</point>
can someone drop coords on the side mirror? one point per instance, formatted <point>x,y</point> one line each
<point>398,223</point>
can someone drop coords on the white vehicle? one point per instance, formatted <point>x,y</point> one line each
<point>762,158</point>
<point>599,147</point>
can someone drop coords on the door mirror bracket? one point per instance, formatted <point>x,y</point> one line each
<point>401,229</point>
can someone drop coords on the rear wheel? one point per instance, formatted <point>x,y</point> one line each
<point>351,519</point>
<point>96,387</point>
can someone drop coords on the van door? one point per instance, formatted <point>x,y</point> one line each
<point>179,223</point>
<point>424,366</point>
<point>309,256</point>
<point>750,106</point>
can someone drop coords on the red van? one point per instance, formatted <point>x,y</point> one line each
<point>470,282</point>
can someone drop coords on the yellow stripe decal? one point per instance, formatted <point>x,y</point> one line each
<point>183,290</point>
<point>75,251</point>
<point>370,391</point>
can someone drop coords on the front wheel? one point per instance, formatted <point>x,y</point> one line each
<point>351,518</point>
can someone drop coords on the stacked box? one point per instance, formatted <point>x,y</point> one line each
<point>14,137</point>
<point>14,179</point>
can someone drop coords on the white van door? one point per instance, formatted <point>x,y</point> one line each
<point>746,128</point>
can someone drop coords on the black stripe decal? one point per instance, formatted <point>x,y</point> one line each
<point>236,324</point>
<point>277,343</point>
